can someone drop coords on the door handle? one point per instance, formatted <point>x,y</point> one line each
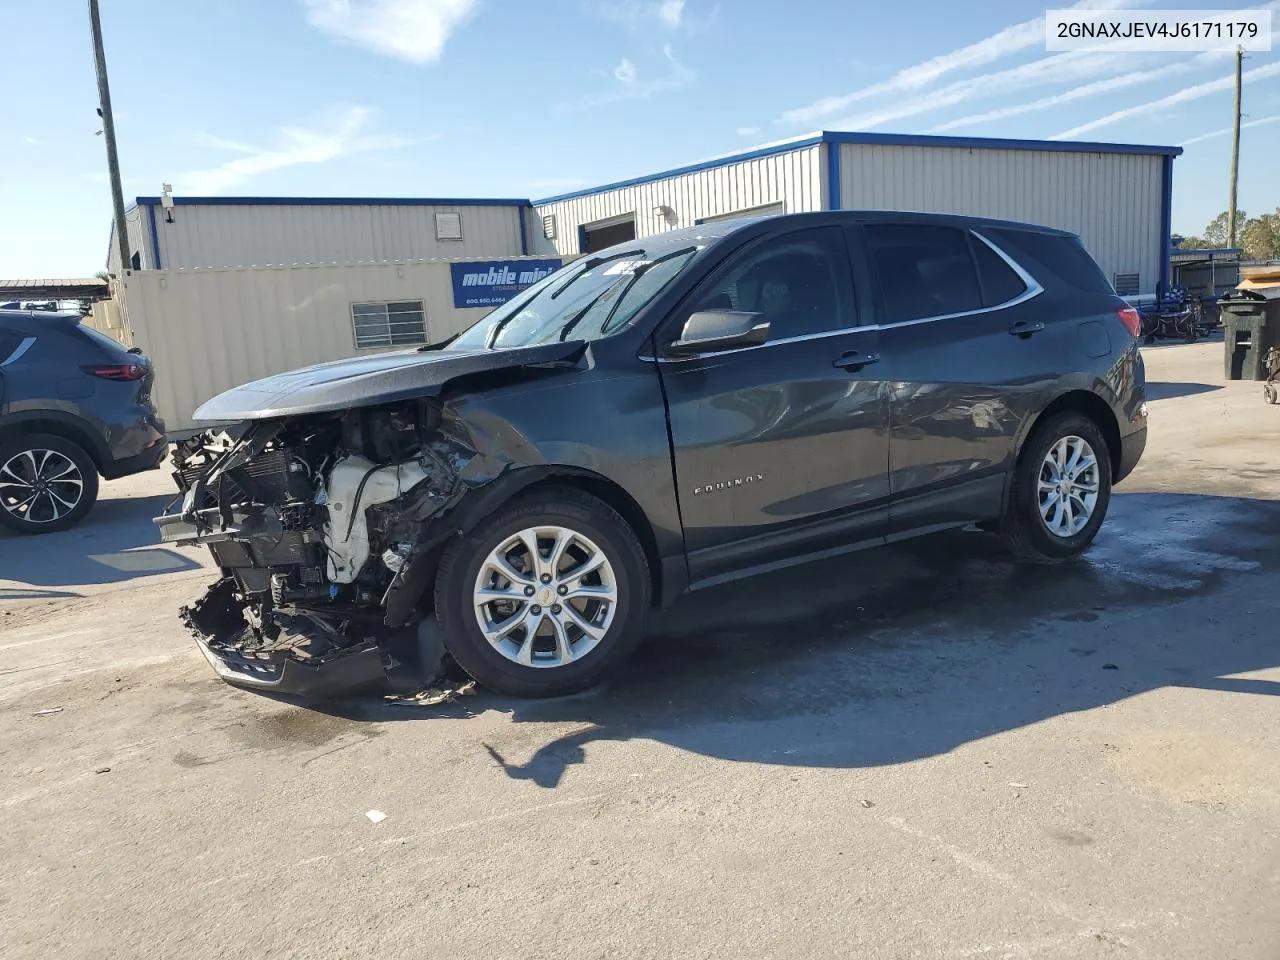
<point>853,360</point>
<point>1025,328</point>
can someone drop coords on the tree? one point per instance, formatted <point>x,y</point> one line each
<point>1215,234</point>
<point>1261,237</point>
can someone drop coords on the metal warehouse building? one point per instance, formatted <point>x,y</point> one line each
<point>223,290</point>
<point>1117,197</point>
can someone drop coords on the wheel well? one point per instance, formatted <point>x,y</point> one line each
<point>620,500</point>
<point>1095,408</point>
<point>58,428</point>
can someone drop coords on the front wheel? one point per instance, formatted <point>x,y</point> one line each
<point>46,483</point>
<point>546,597</point>
<point>1061,490</point>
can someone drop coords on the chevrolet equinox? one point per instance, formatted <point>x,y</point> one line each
<point>662,416</point>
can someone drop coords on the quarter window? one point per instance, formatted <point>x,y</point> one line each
<point>924,271</point>
<point>999,282</point>
<point>400,323</point>
<point>796,282</point>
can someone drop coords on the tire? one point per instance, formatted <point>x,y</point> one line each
<point>1028,533</point>
<point>562,658</point>
<point>63,461</point>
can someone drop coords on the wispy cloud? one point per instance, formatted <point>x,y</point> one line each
<point>410,30</point>
<point>641,15</point>
<point>1070,96</point>
<point>1182,96</point>
<point>630,85</point>
<point>747,131</point>
<point>1260,122</point>
<point>1012,39</point>
<point>1055,69</point>
<point>31,141</point>
<point>625,71</point>
<point>344,135</point>
<point>671,12</point>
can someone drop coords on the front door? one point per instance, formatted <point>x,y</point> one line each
<point>780,449</point>
<point>966,359</point>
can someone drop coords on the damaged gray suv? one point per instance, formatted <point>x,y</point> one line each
<point>663,416</point>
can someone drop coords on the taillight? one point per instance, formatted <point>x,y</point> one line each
<point>1131,319</point>
<point>118,371</point>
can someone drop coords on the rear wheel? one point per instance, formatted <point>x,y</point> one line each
<point>46,483</point>
<point>546,597</point>
<point>1061,490</point>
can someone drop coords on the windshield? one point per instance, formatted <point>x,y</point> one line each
<point>586,300</point>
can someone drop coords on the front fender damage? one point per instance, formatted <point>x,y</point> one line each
<point>328,531</point>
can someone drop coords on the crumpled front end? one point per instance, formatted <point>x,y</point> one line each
<point>327,529</point>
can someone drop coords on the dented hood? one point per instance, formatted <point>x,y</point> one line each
<point>369,380</point>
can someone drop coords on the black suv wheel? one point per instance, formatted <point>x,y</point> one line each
<point>545,597</point>
<point>46,483</point>
<point>1061,490</point>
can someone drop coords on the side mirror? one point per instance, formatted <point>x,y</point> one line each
<point>710,330</point>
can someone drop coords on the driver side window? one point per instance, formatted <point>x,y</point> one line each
<point>799,283</point>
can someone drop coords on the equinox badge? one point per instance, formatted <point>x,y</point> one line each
<point>727,484</point>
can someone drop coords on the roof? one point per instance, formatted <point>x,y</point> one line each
<point>1220,253</point>
<point>86,288</point>
<point>879,139</point>
<point>332,202</point>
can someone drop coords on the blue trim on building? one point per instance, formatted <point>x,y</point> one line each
<point>993,143</point>
<point>336,201</point>
<point>878,139</point>
<point>582,238</point>
<point>769,151</point>
<point>155,236</point>
<point>524,232</point>
<point>1166,226</point>
<point>833,175</point>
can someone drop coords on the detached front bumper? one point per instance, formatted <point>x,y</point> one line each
<point>344,672</point>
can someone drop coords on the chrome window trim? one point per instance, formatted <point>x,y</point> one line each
<point>18,351</point>
<point>1033,290</point>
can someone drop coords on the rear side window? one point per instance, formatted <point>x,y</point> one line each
<point>999,283</point>
<point>1054,256</point>
<point>113,347</point>
<point>923,271</point>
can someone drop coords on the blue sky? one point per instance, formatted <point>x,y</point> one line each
<point>528,98</point>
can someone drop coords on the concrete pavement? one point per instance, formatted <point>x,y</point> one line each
<point>922,751</point>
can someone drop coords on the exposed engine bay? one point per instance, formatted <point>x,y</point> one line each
<point>326,529</point>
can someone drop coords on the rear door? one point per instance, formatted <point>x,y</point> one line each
<point>966,356</point>
<point>780,449</point>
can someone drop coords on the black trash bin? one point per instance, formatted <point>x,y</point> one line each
<point>1251,327</point>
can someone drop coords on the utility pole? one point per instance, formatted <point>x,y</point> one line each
<point>109,134</point>
<point>1235,155</point>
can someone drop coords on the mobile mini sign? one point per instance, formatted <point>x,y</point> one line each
<point>488,283</point>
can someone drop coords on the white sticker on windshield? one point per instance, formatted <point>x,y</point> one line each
<point>624,266</point>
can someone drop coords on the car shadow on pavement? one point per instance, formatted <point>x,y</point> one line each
<point>115,542</point>
<point>913,650</point>
<point>1157,390</point>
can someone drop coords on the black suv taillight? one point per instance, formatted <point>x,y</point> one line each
<point>118,371</point>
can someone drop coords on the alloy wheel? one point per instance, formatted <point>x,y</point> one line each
<point>40,486</point>
<point>545,596</point>
<point>1068,486</point>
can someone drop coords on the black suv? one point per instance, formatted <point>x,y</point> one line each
<point>665,415</point>
<point>74,404</point>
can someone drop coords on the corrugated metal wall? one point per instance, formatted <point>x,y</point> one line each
<point>242,235</point>
<point>209,330</point>
<point>795,178</point>
<point>1111,200</point>
<point>137,240</point>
